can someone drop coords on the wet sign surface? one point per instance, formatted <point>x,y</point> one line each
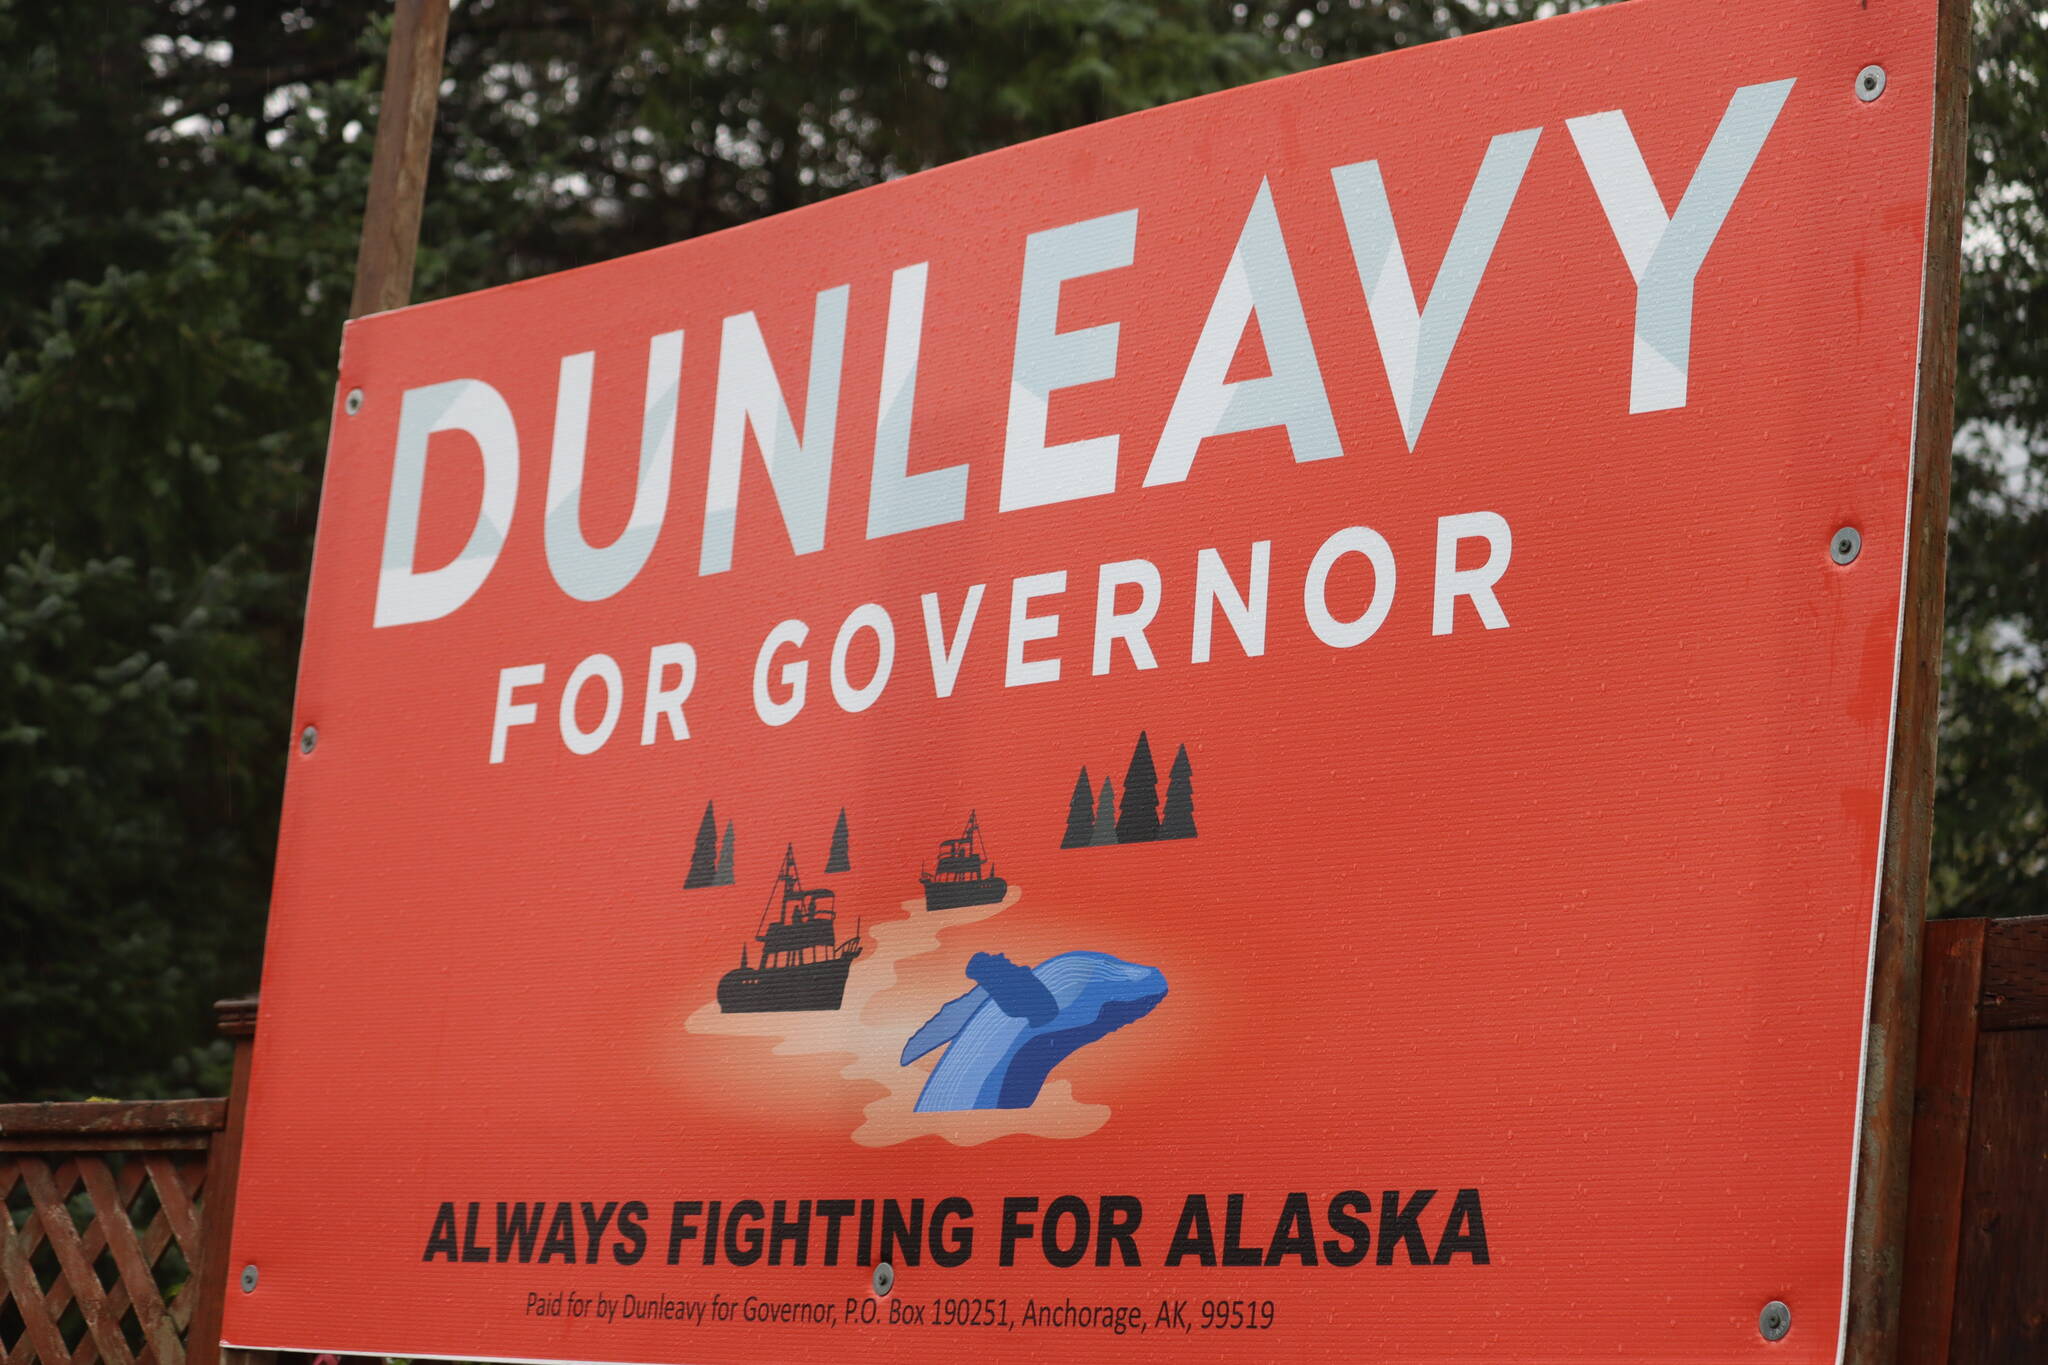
<point>1238,734</point>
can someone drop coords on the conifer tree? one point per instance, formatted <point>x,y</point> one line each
<point>1139,822</point>
<point>724,877</point>
<point>1105,816</point>
<point>1177,820</point>
<point>837,860</point>
<point>1080,814</point>
<point>704,857</point>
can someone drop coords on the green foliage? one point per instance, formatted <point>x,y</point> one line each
<point>158,450</point>
<point>184,180</point>
<point>1991,814</point>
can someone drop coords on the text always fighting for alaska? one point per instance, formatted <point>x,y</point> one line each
<point>1349,1228</point>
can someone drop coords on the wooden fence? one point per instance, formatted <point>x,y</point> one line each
<point>1976,1269</point>
<point>117,1243</point>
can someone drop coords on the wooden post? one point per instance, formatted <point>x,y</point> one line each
<point>1978,1208</point>
<point>1876,1260</point>
<point>236,1020</point>
<point>398,166</point>
<point>1945,1071</point>
<point>384,264</point>
<point>2001,1296</point>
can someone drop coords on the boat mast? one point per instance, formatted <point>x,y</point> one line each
<point>789,885</point>
<point>974,844</point>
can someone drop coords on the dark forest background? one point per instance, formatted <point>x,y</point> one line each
<point>181,183</point>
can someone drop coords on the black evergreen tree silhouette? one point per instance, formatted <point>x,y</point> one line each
<point>1139,822</point>
<point>1105,816</point>
<point>1177,820</point>
<point>704,858</point>
<point>837,860</point>
<point>1080,814</point>
<point>724,876</point>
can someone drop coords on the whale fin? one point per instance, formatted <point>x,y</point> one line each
<point>1015,990</point>
<point>943,1026</point>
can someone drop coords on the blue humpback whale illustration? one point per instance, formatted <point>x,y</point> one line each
<point>1018,1023</point>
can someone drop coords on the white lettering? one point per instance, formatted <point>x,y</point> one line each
<point>750,396</point>
<point>1024,628</point>
<point>869,616</point>
<point>1047,359</point>
<point>1360,540</point>
<point>668,701</point>
<point>585,572</point>
<point>946,658</point>
<point>1245,612</point>
<point>1258,280</point>
<point>510,713</point>
<point>606,670</point>
<point>793,675</point>
<point>470,406</point>
<point>1415,345</point>
<point>897,499</point>
<point>1664,255</point>
<point>1129,626</point>
<point>1477,584</point>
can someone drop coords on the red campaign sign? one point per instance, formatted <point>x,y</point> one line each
<point>1240,733</point>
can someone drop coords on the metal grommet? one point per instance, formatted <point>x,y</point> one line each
<point>248,1279</point>
<point>354,403</point>
<point>1869,83</point>
<point>884,1280</point>
<point>1774,1322</point>
<point>1845,545</point>
<point>308,737</point>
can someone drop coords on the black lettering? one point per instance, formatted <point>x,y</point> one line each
<point>629,1251</point>
<point>594,1224</point>
<point>1345,1222</point>
<point>1191,1236</point>
<point>1015,1229</point>
<point>711,1232</point>
<point>1295,1234</point>
<point>470,1250</point>
<point>441,1240</point>
<point>832,1211</point>
<point>1465,1232</point>
<point>905,1235</point>
<point>561,1238</point>
<point>680,1229</point>
<point>1066,1206</point>
<point>866,1244</point>
<point>1404,1222</point>
<point>953,1251</point>
<point>743,1246</point>
<point>797,1231</point>
<point>515,1224</point>
<point>1233,1224</point>
<point>1121,1214</point>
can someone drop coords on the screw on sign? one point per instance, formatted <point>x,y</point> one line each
<point>1775,1321</point>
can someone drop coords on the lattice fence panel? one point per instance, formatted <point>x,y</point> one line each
<point>99,1255</point>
